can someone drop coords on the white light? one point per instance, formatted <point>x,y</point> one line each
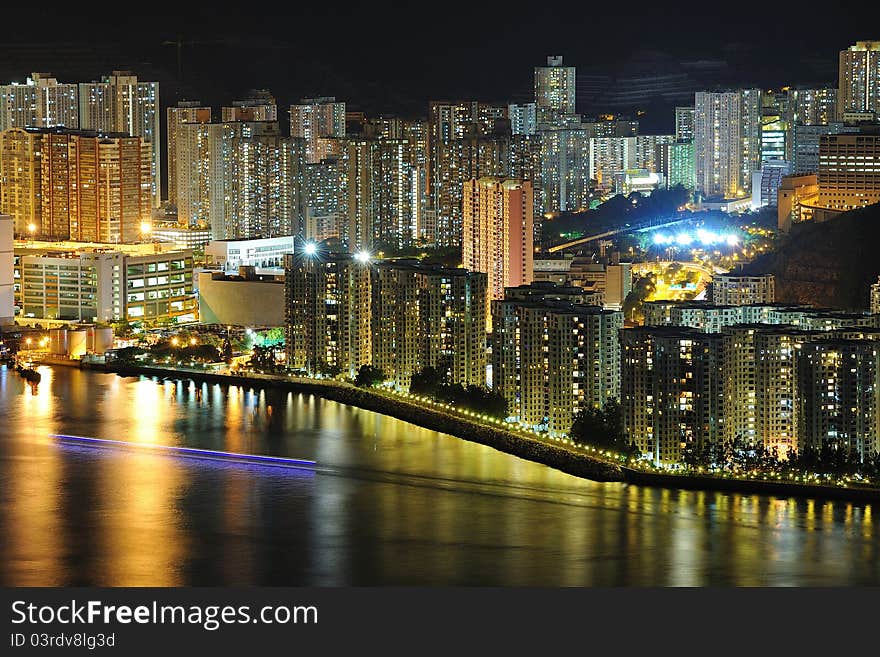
<point>362,256</point>
<point>732,240</point>
<point>659,238</point>
<point>684,239</point>
<point>311,248</point>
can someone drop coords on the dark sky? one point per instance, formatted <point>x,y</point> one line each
<point>382,56</point>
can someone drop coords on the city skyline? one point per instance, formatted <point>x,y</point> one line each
<point>335,295</point>
<point>379,74</point>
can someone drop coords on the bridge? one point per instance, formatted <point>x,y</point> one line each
<point>644,226</point>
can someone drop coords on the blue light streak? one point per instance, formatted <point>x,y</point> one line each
<point>191,452</point>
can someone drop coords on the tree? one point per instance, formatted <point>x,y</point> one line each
<point>369,376</point>
<point>602,428</point>
<point>263,359</point>
<point>427,381</point>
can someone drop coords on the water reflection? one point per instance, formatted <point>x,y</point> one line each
<point>390,504</point>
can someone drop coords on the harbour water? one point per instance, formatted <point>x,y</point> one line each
<point>388,503</point>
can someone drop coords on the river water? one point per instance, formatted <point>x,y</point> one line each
<point>388,503</point>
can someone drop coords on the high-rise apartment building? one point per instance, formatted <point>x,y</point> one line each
<point>838,396</point>
<point>7,290</point>
<point>684,124</point>
<point>498,233</point>
<point>327,312</point>
<point>849,170</point>
<point>554,90</point>
<point>859,78</point>
<point>75,184</point>
<point>671,390</point>
<point>552,357</point>
<point>258,106</point>
<point>316,120</point>
<point>41,102</point>
<point>187,111</point>
<point>523,118</point>
<point>429,316</point>
<point>875,298</point>
<point>727,141</point>
<point>811,106</point>
<point>675,162</point>
<point>120,103</point>
<point>241,178</point>
<point>565,168</point>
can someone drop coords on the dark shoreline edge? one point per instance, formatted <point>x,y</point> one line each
<point>539,451</point>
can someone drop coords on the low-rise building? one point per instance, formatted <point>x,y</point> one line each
<point>243,299</point>
<point>263,253</point>
<point>730,290</point>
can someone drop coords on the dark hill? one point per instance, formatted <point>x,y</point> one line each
<point>830,264</point>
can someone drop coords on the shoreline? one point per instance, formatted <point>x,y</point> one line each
<point>537,450</point>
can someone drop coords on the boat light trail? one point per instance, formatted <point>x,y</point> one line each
<point>191,452</point>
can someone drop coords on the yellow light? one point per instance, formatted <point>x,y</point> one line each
<point>32,228</point>
<point>192,341</point>
<point>174,341</point>
<point>146,227</point>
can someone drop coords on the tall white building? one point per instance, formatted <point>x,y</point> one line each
<point>41,103</point>
<point>523,118</point>
<point>727,141</point>
<point>122,103</point>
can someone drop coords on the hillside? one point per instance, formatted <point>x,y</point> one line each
<point>829,264</point>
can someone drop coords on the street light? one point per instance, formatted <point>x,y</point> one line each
<point>310,248</point>
<point>362,256</point>
<point>32,229</point>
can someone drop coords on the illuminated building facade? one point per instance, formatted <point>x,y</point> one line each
<point>730,290</point>
<point>552,357</point>
<point>121,103</point>
<point>498,233</point>
<point>811,106</point>
<point>40,103</point>
<point>859,78</point>
<point>523,118</point>
<point>243,179</point>
<point>554,90</point>
<point>7,277</point>
<point>101,284</point>
<point>429,316</point>
<point>675,162</point>
<point>849,170</point>
<point>671,390</point>
<point>258,106</point>
<point>838,396</point>
<point>75,184</point>
<point>875,298</point>
<point>317,119</point>
<point>327,313</point>
<point>184,112</point>
<point>684,124</point>
<point>767,181</point>
<point>727,141</point>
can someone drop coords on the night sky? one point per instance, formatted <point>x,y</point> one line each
<point>395,56</point>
